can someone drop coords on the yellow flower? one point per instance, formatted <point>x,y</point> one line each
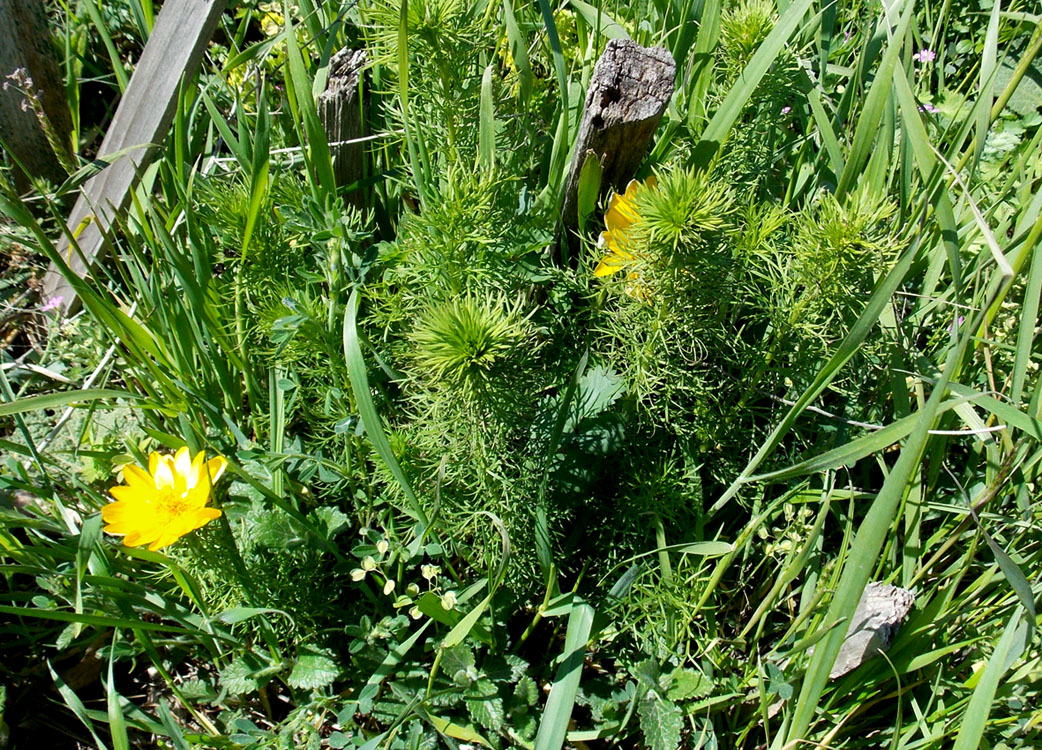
<point>622,214</point>
<point>160,506</point>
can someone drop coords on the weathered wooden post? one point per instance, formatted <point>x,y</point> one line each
<point>629,90</point>
<point>25,45</point>
<point>172,54</point>
<point>341,108</point>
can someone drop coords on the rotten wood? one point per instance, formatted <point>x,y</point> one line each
<point>28,66</point>
<point>628,93</point>
<point>172,54</point>
<point>342,111</point>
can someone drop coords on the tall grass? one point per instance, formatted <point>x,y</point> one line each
<point>635,518</point>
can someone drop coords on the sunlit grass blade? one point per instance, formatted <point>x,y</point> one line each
<point>75,705</point>
<point>309,127</point>
<point>367,409</point>
<point>1014,641</point>
<point>847,348</point>
<point>486,123</point>
<point>54,400</point>
<point>867,130</point>
<point>715,133</point>
<point>117,722</point>
<point>872,533</point>
<point>553,726</point>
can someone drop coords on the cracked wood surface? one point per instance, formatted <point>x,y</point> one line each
<point>629,90</point>
<point>343,115</point>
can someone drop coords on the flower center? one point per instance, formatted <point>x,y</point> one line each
<point>173,504</point>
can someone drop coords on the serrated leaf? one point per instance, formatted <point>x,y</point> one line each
<point>507,668</point>
<point>485,705</point>
<point>238,677</point>
<point>660,721</point>
<point>647,673</point>
<point>458,663</point>
<point>330,519</point>
<point>196,690</point>
<point>315,668</point>
<point>688,683</point>
<point>526,691</point>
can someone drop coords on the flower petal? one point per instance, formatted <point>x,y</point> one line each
<point>182,469</point>
<point>162,472</point>
<point>621,213</point>
<point>135,476</point>
<point>196,470</point>
<point>215,467</point>
<point>130,494</point>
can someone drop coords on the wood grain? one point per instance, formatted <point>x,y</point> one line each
<point>173,52</point>
<point>25,42</point>
<point>629,90</point>
<point>341,108</point>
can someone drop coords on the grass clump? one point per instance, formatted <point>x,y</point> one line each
<point>485,490</point>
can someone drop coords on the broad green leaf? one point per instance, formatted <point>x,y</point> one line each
<point>589,189</point>
<point>315,668</point>
<point>661,721</point>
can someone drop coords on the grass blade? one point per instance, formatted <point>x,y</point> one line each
<point>975,719</point>
<point>367,409</point>
<point>558,711</point>
<point>726,116</point>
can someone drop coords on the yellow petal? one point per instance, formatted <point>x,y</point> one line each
<point>182,469</point>
<point>114,512</point>
<point>197,467</point>
<point>163,472</point>
<point>215,467</point>
<point>135,476</point>
<point>154,459</point>
<point>139,537</point>
<point>130,494</point>
<point>616,258</point>
<point>621,213</point>
<point>203,516</point>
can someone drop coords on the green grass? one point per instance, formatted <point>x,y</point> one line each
<point>479,496</point>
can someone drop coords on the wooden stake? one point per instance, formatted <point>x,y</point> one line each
<point>25,44</point>
<point>172,54</point>
<point>629,90</point>
<point>342,112</point>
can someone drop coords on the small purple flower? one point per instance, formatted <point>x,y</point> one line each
<point>956,323</point>
<point>786,110</point>
<point>52,304</point>
<point>929,108</point>
<point>924,56</point>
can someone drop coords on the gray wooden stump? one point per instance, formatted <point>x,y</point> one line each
<point>341,109</point>
<point>629,90</point>
<point>172,54</point>
<point>25,43</point>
